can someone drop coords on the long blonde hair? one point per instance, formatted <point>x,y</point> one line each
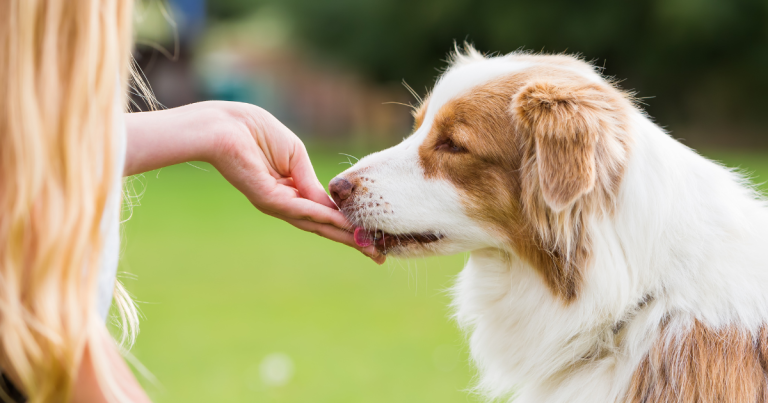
<point>61,64</point>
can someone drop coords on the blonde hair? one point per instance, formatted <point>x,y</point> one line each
<point>61,64</point>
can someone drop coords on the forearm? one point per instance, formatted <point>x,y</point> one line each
<point>172,136</point>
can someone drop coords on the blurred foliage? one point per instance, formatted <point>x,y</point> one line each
<point>702,60</point>
<point>226,9</point>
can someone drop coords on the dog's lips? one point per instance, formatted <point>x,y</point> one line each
<point>384,241</point>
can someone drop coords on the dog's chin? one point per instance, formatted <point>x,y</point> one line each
<point>403,244</point>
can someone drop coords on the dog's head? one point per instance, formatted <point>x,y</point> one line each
<point>515,152</point>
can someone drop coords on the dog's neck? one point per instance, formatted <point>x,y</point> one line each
<point>691,232</point>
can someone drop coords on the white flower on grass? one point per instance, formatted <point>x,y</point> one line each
<point>276,369</point>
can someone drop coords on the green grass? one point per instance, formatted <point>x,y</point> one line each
<point>223,286</point>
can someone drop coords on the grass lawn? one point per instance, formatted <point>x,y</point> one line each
<point>241,307</point>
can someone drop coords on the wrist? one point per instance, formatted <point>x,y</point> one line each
<point>234,127</point>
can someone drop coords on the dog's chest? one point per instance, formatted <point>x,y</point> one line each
<point>521,335</point>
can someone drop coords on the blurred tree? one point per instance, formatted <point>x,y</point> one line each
<point>704,61</point>
<point>224,9</point>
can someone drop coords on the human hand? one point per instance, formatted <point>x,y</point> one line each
<point>271,167</point>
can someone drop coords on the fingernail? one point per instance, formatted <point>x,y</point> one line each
<point>373,253</point>
<point>377,259</point>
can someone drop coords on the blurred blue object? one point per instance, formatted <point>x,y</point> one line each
<point>190,17</point>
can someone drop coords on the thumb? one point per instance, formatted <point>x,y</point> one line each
<point>306,180</point>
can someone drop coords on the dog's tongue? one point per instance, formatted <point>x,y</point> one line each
<point>363,238</point>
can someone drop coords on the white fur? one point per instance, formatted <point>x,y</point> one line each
<point>687,231</point>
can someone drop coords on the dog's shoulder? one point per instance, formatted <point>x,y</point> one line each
<point>693,362</point>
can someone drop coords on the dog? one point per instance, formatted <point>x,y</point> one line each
<point>609,262</point>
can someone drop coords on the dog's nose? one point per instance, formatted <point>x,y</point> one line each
<point>340,189</point>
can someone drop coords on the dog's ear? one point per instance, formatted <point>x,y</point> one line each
<point>562,124</point>
<point>574,147</point>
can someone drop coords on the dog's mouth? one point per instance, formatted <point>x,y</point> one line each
<point>384,241</point>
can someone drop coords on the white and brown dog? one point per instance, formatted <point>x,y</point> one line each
<point>609,263</point>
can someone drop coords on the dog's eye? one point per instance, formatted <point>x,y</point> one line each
<point>446,144</point>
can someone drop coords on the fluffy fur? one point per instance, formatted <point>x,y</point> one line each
<point>609,263</point>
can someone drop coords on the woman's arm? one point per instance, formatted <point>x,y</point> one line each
<point>252,150</point>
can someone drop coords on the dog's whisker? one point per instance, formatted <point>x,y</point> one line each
<point>350,156</point>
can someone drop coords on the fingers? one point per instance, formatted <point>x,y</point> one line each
<point>337,235</point>
<point>306,180</point>
<point>285,156</point>
<point>277,197</point>
<point>374,254</point>
<point>308,210</point>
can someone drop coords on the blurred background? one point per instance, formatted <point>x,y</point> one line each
<point>241,307</point>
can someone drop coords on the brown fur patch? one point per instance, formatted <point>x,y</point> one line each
<point>526,137</point>
<point>701,364</point>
